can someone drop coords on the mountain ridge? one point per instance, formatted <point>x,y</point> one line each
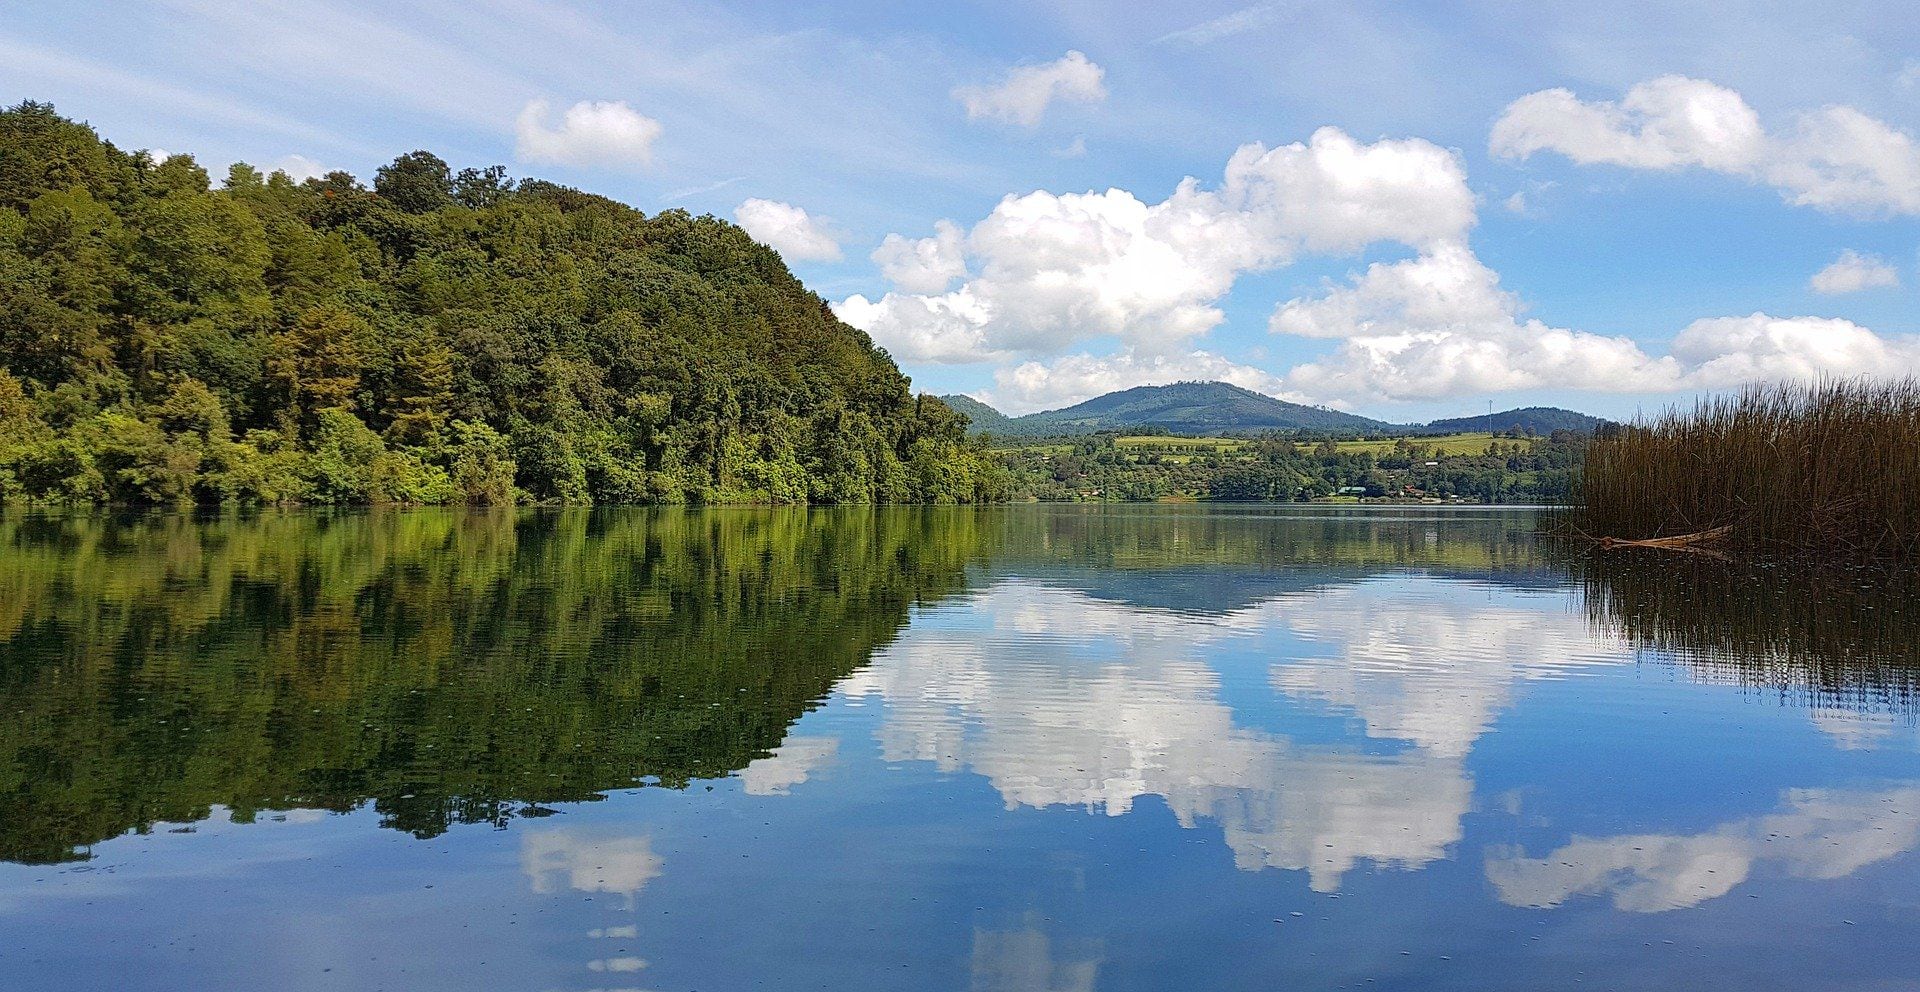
<point>1202,408</point>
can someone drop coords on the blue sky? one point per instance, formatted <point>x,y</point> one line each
<point>1434,205</point>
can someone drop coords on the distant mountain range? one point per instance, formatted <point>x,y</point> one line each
<point>1202,408</point>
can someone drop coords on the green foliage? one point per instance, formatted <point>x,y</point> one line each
<point>1278,469</point>
<point>441,337</point>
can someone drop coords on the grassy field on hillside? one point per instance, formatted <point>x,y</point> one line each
<point>1472,443</point>
<point>1150,442</point>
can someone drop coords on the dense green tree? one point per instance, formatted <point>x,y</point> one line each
<point>442,336</point>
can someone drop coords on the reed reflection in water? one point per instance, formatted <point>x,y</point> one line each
<point>1831,639</point>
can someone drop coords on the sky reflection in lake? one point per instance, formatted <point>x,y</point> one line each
<point>1028,748</point>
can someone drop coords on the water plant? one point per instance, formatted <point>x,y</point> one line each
<point>1823,469</point>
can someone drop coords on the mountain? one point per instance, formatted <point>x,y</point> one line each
<point>1538,419</point>
<point>985,419</point>
<point>1200,408</point>
<point>1183,408</point>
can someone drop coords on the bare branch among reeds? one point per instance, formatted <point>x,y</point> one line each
<point>1829,469</point>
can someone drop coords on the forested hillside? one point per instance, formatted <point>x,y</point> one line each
<point>1193,408</point>
<point>1542,420</point>
<point>984,419</point>
<point>435,337</point>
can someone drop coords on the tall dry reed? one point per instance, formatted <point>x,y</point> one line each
<point>1831,468</point>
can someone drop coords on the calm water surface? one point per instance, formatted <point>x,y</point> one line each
<point>1023,748</point>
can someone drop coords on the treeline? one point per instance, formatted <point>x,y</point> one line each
<point>438,337</point>
<point>1515,469</point>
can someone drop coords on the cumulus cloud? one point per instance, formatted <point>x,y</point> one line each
<point>1819,834</point>
<point>790,764</point>
<point>1113,702</point>
<point>1835,158</point>
<point>789,230</point>
<point>590,133</point>
<point>1116,706</point>
<point>1438,675</point>
<point>1440,325</point>
<point>1049,274</point>
<point>1853,272</point>
<point>1662,124</point>
<point>1023,97</point>
<point>1053,270</point>
<point>924,265</point>
<point>950,328</point>
<point>1719,352</point>
<point>1032,386</point>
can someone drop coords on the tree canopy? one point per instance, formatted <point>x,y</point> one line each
<point>443,336</point>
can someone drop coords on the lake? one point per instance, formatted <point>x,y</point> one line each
<point>1016,748</point>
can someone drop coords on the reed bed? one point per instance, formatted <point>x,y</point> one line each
<point>1830,469</point>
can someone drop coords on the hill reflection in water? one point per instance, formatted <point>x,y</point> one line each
<point>450,667</point>
<point>1009,748</point>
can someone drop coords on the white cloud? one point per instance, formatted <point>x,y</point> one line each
<point>1112,704</point>
<point>1662,124</point>
<point>924,265</point>
<point>1517,203</point>
<point>1835,158</point>
<point>790,764</point>
<point>789,230</point>
<point>1820,834</point>
<point>1436,676</point>
<point>1053,270</point>
<point>1028,960</point>
<point>1023,97</point>
<point>300,168</point>
<point>1077,148</point>
<point>586,861</point>
<point>1225,26</point>
<point>700,190</point>
<point>1720,352</point>
<point>1853,272</point>
<point>1857,730</point>
<point>1440,325</point>
<point>949,328</point>
<point>1032,386</point>
<point>591,133</point>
